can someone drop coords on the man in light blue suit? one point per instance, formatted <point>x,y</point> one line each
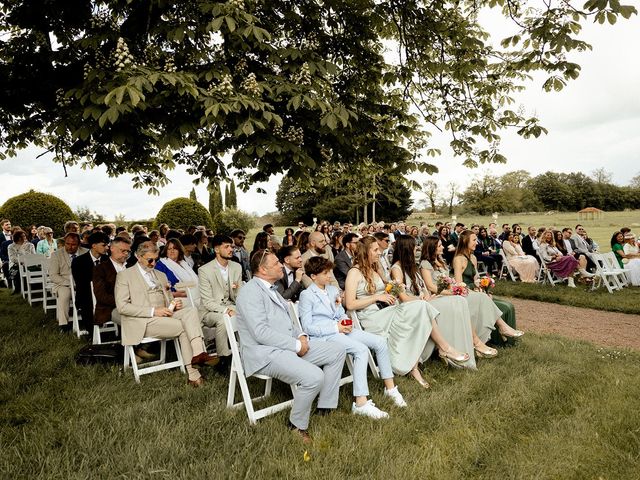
<point>322,315</point>
<point>271,345</point>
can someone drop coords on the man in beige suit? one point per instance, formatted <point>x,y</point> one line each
<point>318,247</point>
<point>60,275</point>
<point>144,305</point>
<point>219,282</point>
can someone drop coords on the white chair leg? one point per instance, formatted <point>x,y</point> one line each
<point>176,344</point>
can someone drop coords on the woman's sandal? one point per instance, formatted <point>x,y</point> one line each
<point>417,376</point>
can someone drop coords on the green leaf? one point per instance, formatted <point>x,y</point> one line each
<point>231,23</point>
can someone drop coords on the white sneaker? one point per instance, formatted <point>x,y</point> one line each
<point>369,409</point>
<point>571,283</point>
<point>396,396</point>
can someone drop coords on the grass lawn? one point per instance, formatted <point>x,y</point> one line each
<point>548,408</point>
<point>624,301</point>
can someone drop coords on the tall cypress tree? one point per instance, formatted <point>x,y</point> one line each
<point>227,198</point>
<point>215,198</point>
<point>233,198</point>
<point>192,195</point>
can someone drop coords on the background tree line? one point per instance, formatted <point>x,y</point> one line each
<point>518,191</point>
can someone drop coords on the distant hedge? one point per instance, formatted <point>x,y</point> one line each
<point>230,219</point>
<point>182,213</point>
<point>37,208</point>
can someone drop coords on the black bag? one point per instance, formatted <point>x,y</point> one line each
<point>104,354</point>
<point>382,305</point>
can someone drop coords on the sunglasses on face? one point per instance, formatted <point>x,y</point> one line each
<point>151,261</point>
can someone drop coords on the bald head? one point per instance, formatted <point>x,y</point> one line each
<point>317,242</point>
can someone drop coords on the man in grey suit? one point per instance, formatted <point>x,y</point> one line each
<point>240,253</point>
<point>219,282</point>
<point>344,259</point>
<point>271,345</point>
<point>580,245</point>
<point>60,274</point>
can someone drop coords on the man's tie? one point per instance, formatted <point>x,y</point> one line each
<point>97,262</point>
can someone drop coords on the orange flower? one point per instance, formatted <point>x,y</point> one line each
<point>388,288</point>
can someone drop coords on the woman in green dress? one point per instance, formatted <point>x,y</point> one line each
<point>482,310</point>
<point>465,269</point>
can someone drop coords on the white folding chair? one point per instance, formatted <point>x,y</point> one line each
<point>545,275</point>
<point>75,316</point>
<point>603,275</point>
<point>107,327</point>
<point>482,269</point>
<point>237,375</point>
<point>613,266</point>
<point>372,363</point>
<point>295,319</point>
<point>507,269</point>
<point>48,299</point>
<point>22,277</point>
<point>33,265</point>
<point>157,365</point>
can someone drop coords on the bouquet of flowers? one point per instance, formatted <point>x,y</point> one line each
<point>447,283</point>
<point>394,288</point>
<point>460,289</point>
<point>486,284</point>
<point>444,283</point>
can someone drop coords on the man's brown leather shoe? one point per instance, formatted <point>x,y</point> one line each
<point>196,383</point>
<point>204,359</point>
<point>304,434</point>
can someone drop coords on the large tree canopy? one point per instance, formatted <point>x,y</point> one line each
<point>282,86</point>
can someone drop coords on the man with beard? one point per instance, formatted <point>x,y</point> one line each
<point>344,259</point>
<point>219,282</point>
<point>60,275</point>
<point>317,247</point>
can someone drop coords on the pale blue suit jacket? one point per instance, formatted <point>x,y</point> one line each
<point>264,326</point>
<point>319,313</point>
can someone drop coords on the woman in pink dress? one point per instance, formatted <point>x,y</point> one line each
<point>526,265</point>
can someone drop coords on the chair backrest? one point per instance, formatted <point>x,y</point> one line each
<point>610,260</point>
<point>295,315</point>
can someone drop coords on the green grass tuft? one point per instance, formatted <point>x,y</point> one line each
<point>623,301</point>
<point>548,408</point>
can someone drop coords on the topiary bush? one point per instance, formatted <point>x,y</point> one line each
<point>37,208</point>
<point>228,220</point>
<point>182,213</point>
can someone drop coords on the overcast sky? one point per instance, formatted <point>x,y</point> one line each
<point>593,122</point>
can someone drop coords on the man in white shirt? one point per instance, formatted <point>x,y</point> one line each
<point>219,282</point>
<point>383,242</point>
<point>104,281</point>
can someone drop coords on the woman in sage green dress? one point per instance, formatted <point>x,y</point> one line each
<point>483,311</point>
<point>454,320</point>
<point>465,270</point>
<point>406,326</point>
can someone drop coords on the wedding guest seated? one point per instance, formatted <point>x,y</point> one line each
<point>272,346</point>
<point>323,317</point>
<point>465,270</point>
<point>220,281</point>
<point>563,244</point>
<point>104,281</point>
<point>48,244</point>
<point>631,258</point>
<point>178,271</point>
<point>303,241</point>
<point>82,270</point>
<point>288,238</point>
<point>317,247</point>
<point>336,242</point>
<point>60,275</point>
<point>528,243</point>
<point>344,259</point>
<point>240,254</point>
<point>262,242</point>
<point>290,285</point>
<point>19,247</point>
<point>189,243</point>
<point>447,243</point>
<point>563,266</point>
<point>485,251</point>
<point>203,254</point>
<point>143,302</point>
<point>526,265</point>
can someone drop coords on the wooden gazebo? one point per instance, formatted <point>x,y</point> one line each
<point>590,213</point>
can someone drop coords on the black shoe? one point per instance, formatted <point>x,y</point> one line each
<point>223,365</point>
<point>304,434</point>
<point>64,328</point>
